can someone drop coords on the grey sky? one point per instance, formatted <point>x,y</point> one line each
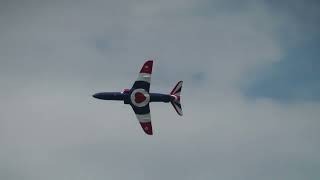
<point>55,54</point>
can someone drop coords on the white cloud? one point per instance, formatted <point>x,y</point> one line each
<point>51,128</point>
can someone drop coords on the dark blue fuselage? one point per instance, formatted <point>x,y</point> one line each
<point>125,97</point>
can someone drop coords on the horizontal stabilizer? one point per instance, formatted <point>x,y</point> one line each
<point>176,102</point>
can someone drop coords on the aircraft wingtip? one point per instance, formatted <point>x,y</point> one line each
<point>147,128</point>
<point>147,67</point>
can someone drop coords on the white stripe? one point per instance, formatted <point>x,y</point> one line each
<point>144,117</point>
<point>144,77</point>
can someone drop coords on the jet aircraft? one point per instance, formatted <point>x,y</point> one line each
<point>139,97</point>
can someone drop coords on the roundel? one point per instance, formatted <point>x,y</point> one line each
<point>140,97</point>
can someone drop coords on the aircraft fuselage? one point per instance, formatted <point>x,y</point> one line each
<point>125,97</point>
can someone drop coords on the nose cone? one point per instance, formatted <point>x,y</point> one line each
<point>97,95</point>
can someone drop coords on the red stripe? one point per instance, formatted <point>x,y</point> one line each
<point>147,127</point>
<point>147,67</point>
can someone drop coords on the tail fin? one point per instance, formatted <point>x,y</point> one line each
<point>176,94</point>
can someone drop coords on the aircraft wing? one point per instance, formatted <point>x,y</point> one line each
<point>140,97</point>
<point>144,118</point>
<point>144,78</point>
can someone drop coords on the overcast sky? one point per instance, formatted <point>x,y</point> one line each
<point>251,96</point>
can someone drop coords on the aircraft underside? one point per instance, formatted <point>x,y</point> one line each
<point>119,96</point>
<point>139,98</point>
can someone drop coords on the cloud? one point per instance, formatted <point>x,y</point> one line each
<point>55,55</point>
<point>288,81</point>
